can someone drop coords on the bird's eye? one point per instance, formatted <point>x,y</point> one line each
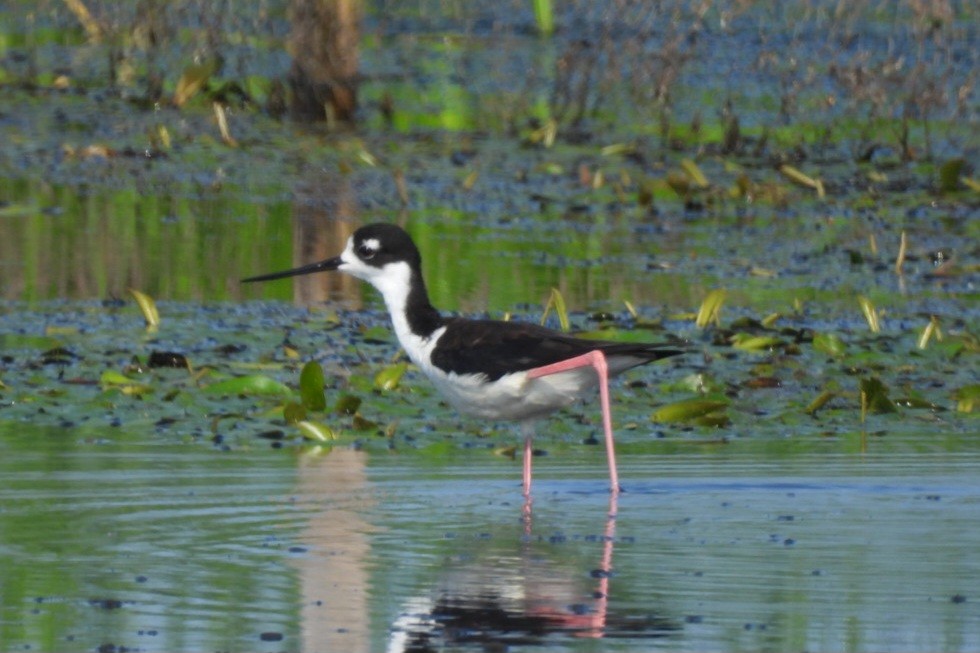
<point>365,252</point>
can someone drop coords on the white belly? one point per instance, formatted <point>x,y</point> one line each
<point>512,397</point>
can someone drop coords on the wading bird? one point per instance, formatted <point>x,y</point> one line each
<point>485,368</point>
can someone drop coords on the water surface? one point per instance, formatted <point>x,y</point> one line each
<point>163,546</point>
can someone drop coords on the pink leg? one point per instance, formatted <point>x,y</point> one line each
<point>528,431</point>
<point>597,360</point>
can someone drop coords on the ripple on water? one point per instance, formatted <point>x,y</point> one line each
<point>707,551</point>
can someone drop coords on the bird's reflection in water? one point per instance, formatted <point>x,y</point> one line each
<point>519,599</point>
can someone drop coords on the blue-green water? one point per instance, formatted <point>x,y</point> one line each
<point>156,546</point>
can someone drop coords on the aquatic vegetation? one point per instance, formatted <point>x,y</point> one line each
<point>607,165</point>
<point>557,302</point>
<point>238,383</point>
<point>148,307</point>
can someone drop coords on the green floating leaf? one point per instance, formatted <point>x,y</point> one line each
<point>316,431</point>
<point>949,175</point>
<point>148,307</point>
<point>679,182</point>
<point>347,405</point>
<point>113,379</point>
<point>715,420</point>
<point>967,398</point>
<point>748,342</point>
<point>618,148</point>
<point>311,387</point>
<point>363,424</point>
<point>293,413</point>
<point>912,401</point>
<point>875,396</point>
<point>389,377</point>
<point>253,384</point>
<point>830,344</point>
<point>360,383</point>
<point>688,409</point>
<point>439,450</point>
<point>700,383</point>
<point>377,334</point>
<point>710,310</point>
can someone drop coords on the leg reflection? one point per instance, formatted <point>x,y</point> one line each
<point>604,572</point>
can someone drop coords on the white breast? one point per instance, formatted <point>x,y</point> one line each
<point>512,397</point>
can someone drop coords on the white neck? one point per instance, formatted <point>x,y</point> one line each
<point>393,283</point>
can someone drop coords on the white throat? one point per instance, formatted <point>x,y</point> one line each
<point>393,281</point>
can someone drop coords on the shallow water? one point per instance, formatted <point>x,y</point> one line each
<point>159,546</point>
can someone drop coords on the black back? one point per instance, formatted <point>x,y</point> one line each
<point>496,349</point>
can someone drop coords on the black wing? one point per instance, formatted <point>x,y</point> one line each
<point>495,348</point>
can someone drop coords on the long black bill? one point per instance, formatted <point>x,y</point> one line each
<point>322,266</point>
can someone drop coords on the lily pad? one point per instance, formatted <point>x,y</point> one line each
<point>293,412</point>
<point>311,387</point>
<point>748,342</point>
<point>967,398</point>
<point>875,396</point>
<point>347,405</point>
<point>112,379</point>
<point>830,344</point>
<point>688,409</point>
<point>316,431</point>
<point>389,377</point>
<point>949,175</point>
<point>252,384</point>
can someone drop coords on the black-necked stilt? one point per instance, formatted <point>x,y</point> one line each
<point>485,368</point>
